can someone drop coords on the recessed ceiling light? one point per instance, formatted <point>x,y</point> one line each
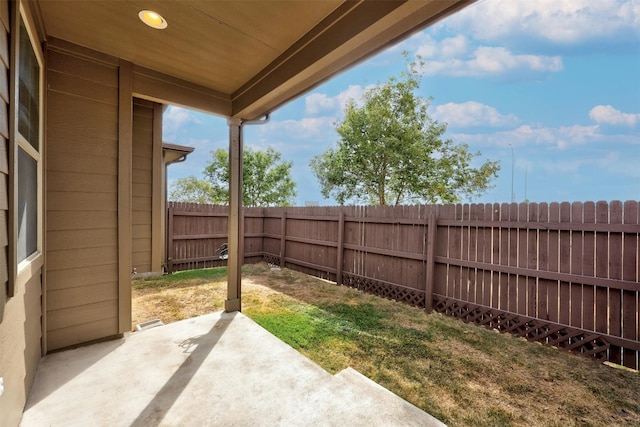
<point>152,19</point>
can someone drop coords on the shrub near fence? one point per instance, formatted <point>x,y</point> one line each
<point>562,274</point>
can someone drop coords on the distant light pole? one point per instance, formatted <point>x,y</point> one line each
<point>526,170</point>
<point>513,157</point>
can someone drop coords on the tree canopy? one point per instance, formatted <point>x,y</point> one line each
<point>391,151</point>
<point>193,190</point>
<point>266,180</point>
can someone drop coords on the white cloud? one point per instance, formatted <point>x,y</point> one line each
<point>606,114</point>
<point>427,47</point>
<point>472,113</point>
<point>489,60</point>
<point>204,145</point>
<point>306,126</point>
<point>561,137</point>
<point>318,103</point>
<point>609,161</point>
<point>576,135</point>
<point>307,132</point>
<point>556,21</point>
<point>176,117</point>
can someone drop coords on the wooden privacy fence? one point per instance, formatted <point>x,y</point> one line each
<point>196,231</point>
<point>559,273</point>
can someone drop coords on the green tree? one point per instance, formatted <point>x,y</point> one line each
<point>392,152</point>
<point>193,190</point>
<point>266,180</point>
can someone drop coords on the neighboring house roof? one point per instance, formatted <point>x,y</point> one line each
<point>243,58</point>
<point>174,153</point>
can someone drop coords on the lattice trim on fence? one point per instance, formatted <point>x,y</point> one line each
<point>271,259</point>
<point>414,297</point>
<point>585,343</point>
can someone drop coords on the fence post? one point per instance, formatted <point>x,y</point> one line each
<point>283,237</point>
<point>339,261</point>
<point>170,231</point>
<point>432,224</point>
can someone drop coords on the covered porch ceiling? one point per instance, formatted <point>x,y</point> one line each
<point>249,56</point>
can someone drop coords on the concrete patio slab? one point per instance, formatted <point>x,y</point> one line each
<point>217,369</point>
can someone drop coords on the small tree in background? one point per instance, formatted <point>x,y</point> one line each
<point>392,152</point>
<point>266,181</point>
<point>192,190</point>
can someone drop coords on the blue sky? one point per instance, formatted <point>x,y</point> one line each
<point>552,85</point>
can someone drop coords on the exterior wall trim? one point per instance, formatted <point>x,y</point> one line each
<point>125,150</point>
<point>157,193</point>
<point>12,256</point>
<point>161,88</point>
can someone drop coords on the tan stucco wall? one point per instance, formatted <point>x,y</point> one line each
<point>19,349</point>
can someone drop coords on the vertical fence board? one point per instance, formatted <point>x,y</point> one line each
<point>602,267</point>
<point>503,288</point>
<point>553,290</point>
<point>576,291</point>
<point>464,255</point>
<point>513,259</point>
<point>362,232</point>
<point>615,272</point>
<point>487,237</point>
<point>170,247</point>
<point>340,256</point>
<point>283,238</point>
<point>455,252</point>
<point>543,263</point>
<point>630,319</point>
<point>432,224</point>
<point>496,235</point>
<point>458,251</point>
<point>470,253</point>
<point>521,280</point>
<point>440,279</point>
<point>565,264</point>
<point>532,260</point>
<point>588,269</point>
<point>477,252</point>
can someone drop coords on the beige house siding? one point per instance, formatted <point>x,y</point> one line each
<point>20,315</point>
<point>82,197</point>
<point>142,181</point>
<point>4,152</point>
<point>19,349</point>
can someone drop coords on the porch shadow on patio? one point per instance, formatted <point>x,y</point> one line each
<point>217,369</point>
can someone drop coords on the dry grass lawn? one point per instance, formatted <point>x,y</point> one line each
<point>461,374</point>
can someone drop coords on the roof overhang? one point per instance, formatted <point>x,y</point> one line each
<point>245,58</point>
<point>174,153</point>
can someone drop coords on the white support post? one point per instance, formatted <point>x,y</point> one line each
<point>236,223</point>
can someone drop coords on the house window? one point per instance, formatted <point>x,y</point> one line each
<point>28,152</point>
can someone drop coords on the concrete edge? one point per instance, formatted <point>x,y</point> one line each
<point>357,380</point>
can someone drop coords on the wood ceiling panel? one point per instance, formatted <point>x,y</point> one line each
<point>242,58</point>
<point>196,46</point>
<point>277,24</point>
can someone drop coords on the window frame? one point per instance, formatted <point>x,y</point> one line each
<point>22,271</point>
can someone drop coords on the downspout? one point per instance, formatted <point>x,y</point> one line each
<point>166,174</point>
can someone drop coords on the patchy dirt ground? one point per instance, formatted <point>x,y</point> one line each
<point>461,374</point>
